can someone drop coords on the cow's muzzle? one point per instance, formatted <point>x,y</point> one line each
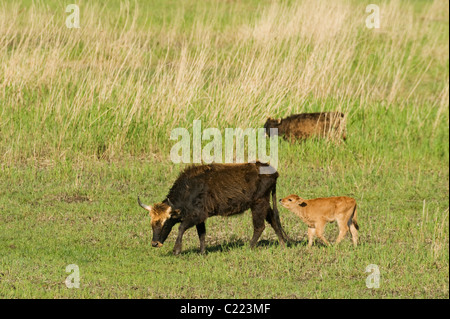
<point>156,244</point>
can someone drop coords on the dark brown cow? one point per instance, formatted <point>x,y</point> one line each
<point>203,191</point>
<point>305,125</point>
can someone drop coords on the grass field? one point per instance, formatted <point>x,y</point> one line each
<point>86,115</point>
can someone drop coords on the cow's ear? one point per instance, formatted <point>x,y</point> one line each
<point>302,204</point>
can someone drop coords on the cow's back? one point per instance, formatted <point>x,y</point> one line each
<point>307,124</point>
<point>220,189</point>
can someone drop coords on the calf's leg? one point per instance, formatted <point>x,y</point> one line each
<point>354,233</point>
<point>320,228</point>
<point>311,234</point>
<point>343,229</point>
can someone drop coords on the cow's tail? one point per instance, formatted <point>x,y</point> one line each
<point>276,215</point>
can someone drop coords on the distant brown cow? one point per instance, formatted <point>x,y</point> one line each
<point>316,213</point>
<point>305,125</point>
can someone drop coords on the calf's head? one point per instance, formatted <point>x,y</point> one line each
<point>292,202</point>
<point>163,218</point>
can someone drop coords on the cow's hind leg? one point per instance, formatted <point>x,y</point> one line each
<point>201,231</point>
<point>259,212</point>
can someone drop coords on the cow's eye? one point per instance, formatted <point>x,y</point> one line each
<point>290,200</point>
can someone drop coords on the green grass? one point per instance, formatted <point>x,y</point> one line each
<point>53,217</point>
<point>85,118</point>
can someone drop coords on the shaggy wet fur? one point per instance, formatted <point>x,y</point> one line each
<point>202,191</point>
<point>305,125</point>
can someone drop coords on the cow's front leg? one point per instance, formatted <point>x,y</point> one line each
<point>201,231</point>
<point>178,243</point>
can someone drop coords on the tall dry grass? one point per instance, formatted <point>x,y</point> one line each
<point>121,82</point>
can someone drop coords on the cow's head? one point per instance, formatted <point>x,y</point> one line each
<point>163,218</point>
<point>271,123</point>
<point>292,201</point>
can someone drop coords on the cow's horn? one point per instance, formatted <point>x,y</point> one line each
<point>149,208</point>
<point>169,202</point>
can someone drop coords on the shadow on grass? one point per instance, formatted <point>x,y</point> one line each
<point>224,246</point>
<point>239,243</point>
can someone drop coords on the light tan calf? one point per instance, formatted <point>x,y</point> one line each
<point>316,213</point>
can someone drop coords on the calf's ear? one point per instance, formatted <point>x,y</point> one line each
<point>176,213</point>
<point>302,204</point>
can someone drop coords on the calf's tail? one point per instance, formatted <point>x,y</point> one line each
<point>353,218</point>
